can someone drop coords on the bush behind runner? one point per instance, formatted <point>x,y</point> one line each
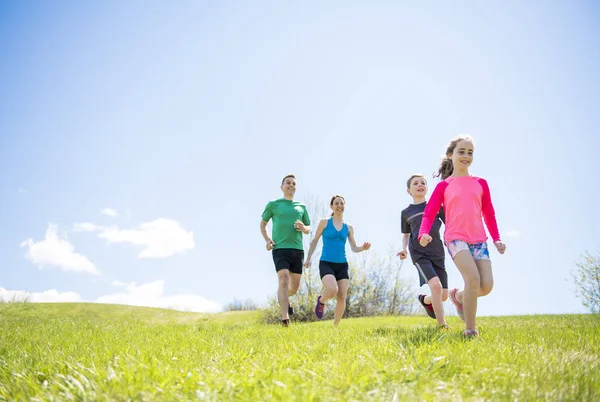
<point>376,289</point>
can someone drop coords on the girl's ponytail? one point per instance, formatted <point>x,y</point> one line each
<point>446,169</point>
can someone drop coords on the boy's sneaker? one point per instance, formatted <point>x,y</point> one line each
<point>285,322</point>
<point>319,308</point>
<point>428,307</point>
<point>459,307</point>
<point>444,327</point>
<point>470,333</point>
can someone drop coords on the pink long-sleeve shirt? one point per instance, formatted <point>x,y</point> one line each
<point>465,199</point>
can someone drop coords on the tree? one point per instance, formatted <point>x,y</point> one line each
<point>241,305</point>
<point>587,280</point>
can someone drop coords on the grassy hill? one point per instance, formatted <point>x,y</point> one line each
<point>107,352</point>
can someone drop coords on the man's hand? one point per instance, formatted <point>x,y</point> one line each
<point>299,226</point>
<point>270,245</point>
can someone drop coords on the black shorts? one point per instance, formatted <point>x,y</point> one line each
<point>430,268</point>
<point>337,269</point>
<point>288,258</point>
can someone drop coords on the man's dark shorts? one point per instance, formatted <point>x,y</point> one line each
<point>430,268</point>
<point>288,258</point>
<point>337,269</point>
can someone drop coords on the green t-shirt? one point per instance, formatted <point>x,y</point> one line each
<point>284,214</point>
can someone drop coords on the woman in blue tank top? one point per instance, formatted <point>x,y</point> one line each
<point>333,265</point>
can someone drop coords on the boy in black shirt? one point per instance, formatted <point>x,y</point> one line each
<point>428,260</point>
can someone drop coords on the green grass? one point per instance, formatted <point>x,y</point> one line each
<point>104,352</point>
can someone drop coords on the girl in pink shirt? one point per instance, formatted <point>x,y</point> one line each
<point>465,199</point>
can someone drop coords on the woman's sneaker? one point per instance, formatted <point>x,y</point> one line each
<point>319,308</point>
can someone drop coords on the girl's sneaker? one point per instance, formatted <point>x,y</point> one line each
<point>459,307</point>
<point>470,333</point>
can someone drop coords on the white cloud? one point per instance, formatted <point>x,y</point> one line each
<point>159,238</point>
<point>109,212</point>
<point>512,233</point>
<point>152,295</point>
<point>56,252</point>
<point>119,284</point>
<point>48,296</point>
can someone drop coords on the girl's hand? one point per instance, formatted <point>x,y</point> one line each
<point>307,264</point>
<point>402,254</point>
<point>366,245</point>
<point>501,247</point>
<point>425,240</point>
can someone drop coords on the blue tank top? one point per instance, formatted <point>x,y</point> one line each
<point>334,243</point>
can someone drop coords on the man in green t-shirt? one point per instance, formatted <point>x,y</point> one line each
<point>290,220</point>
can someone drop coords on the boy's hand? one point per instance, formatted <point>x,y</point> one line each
<point>501,247</point>
<point>307,264</point>
<point>270,245</point>
<point>425,240</point>
<point>402,254</point>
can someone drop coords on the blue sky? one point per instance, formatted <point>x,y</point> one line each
<point>140,141</point>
